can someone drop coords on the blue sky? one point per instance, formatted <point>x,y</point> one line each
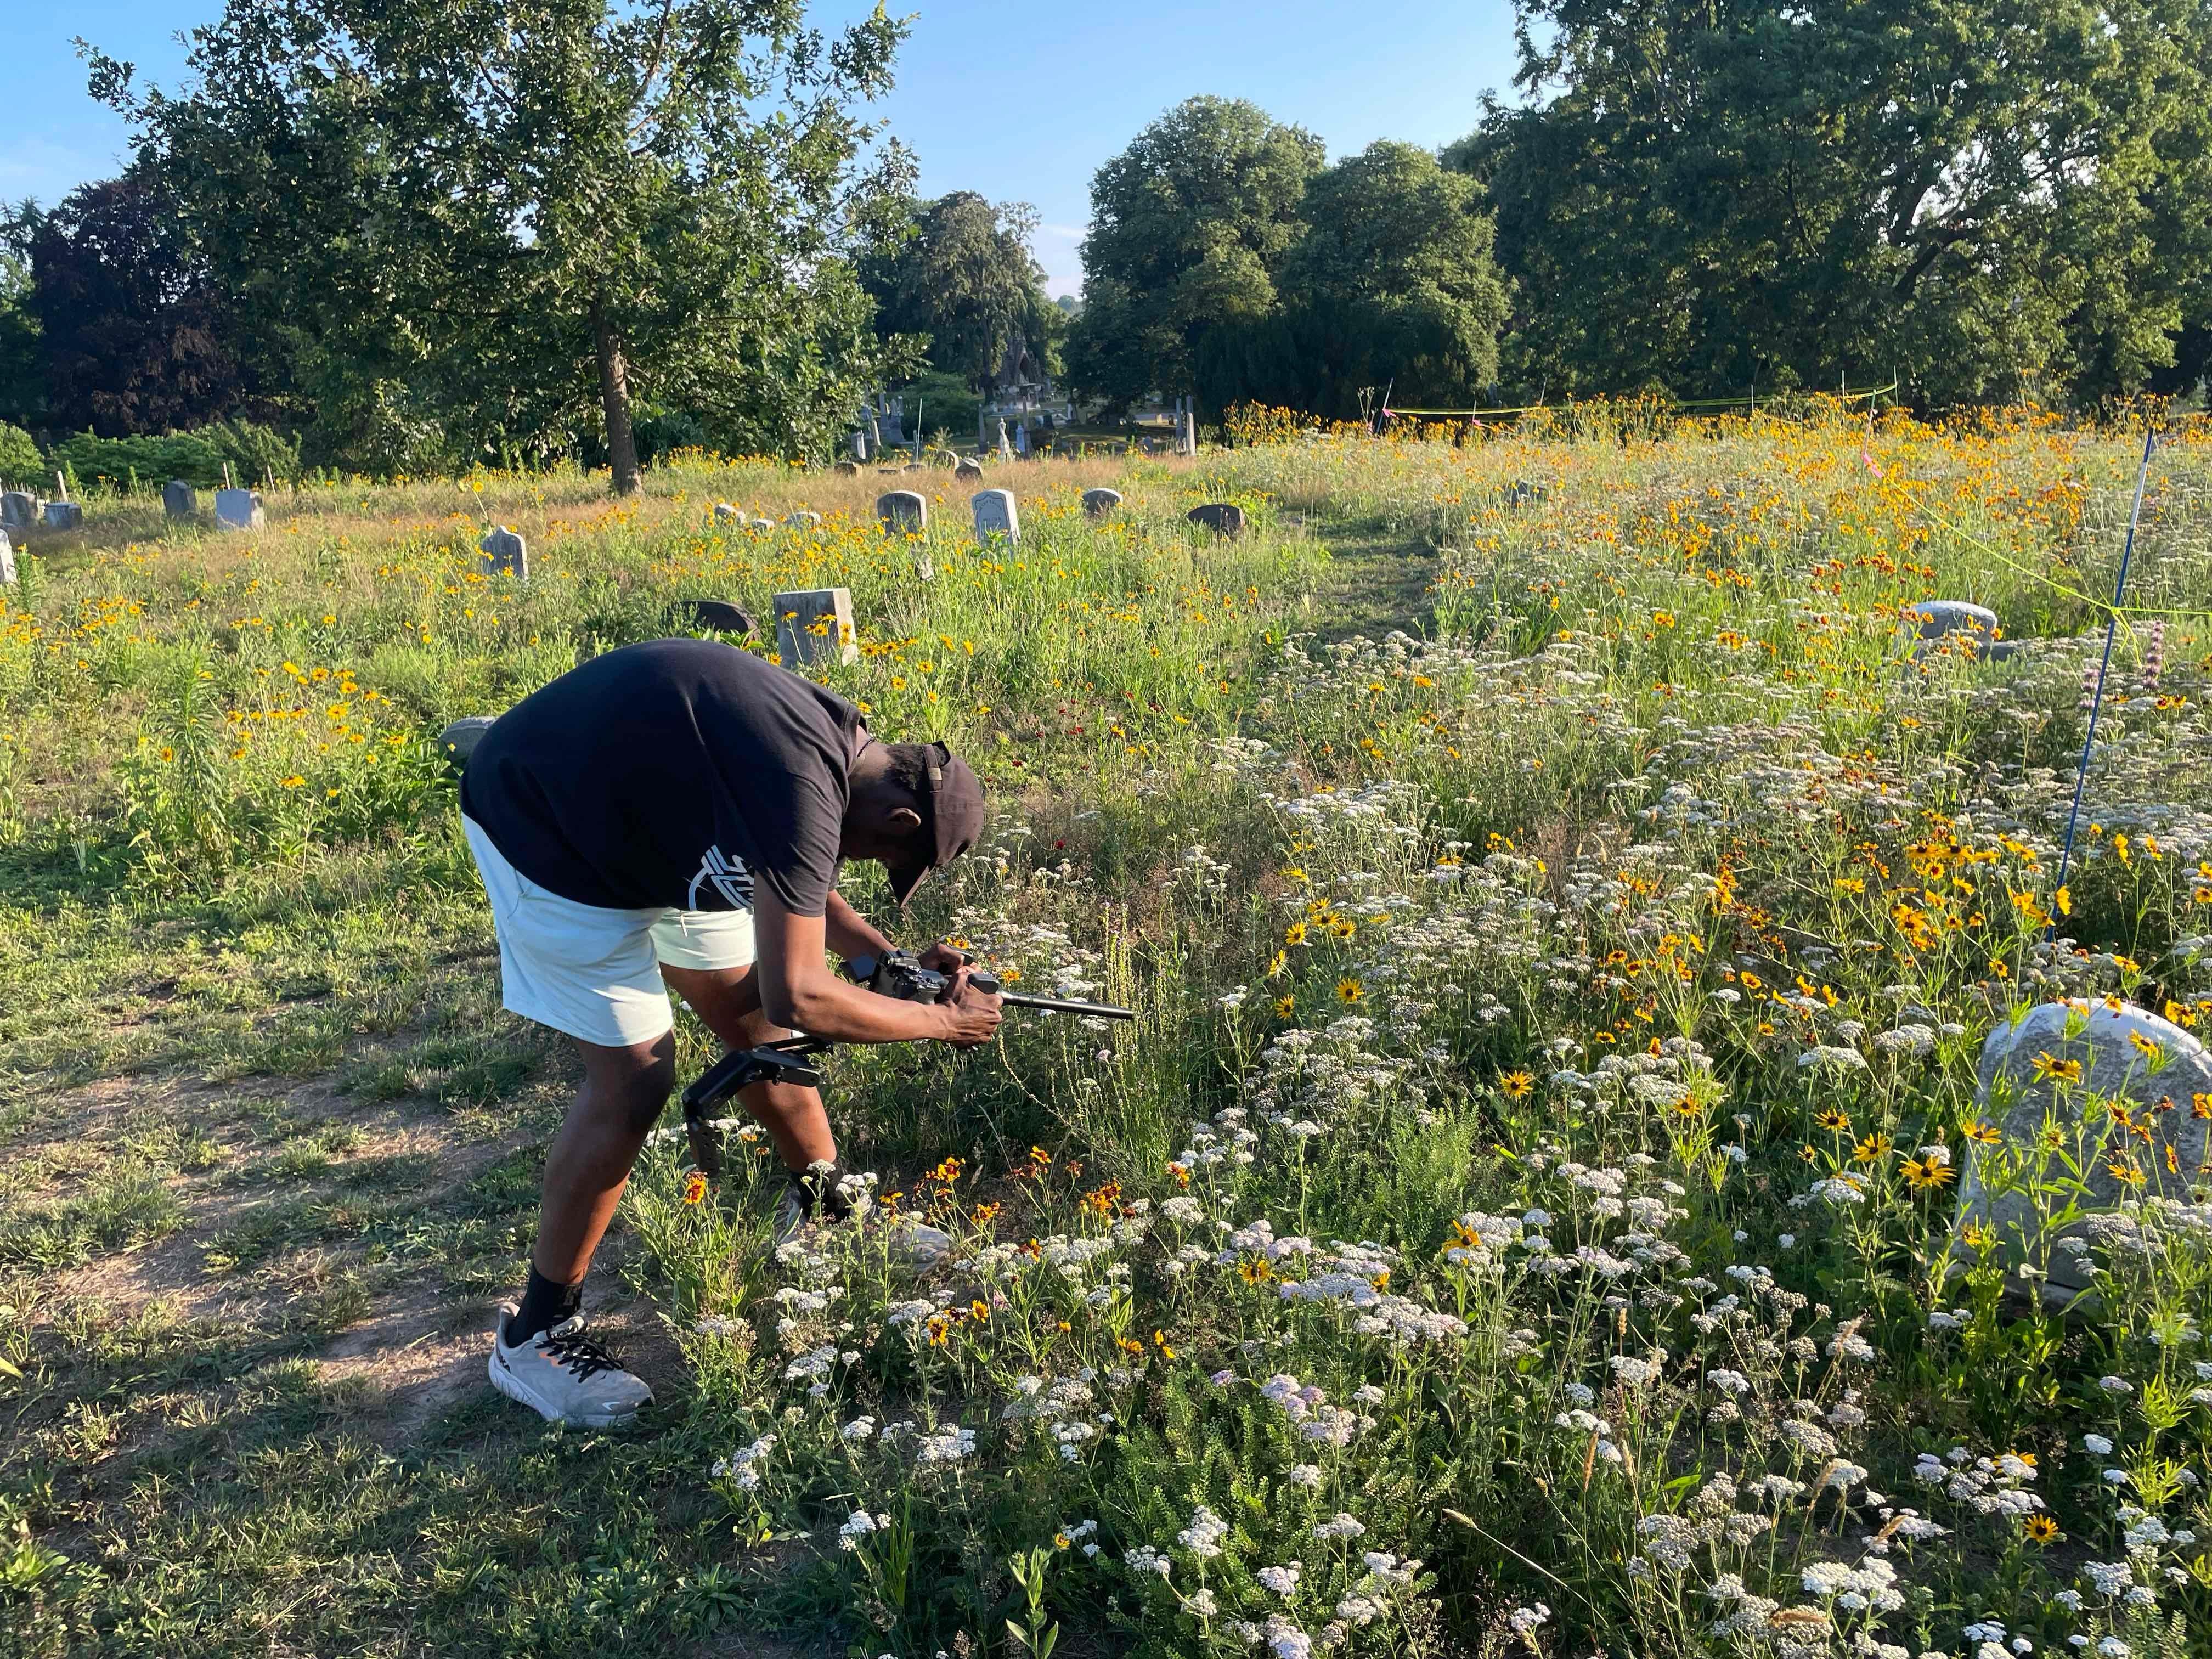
<point>1019,102</point>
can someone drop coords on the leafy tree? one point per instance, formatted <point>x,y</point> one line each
<point>1391,283</point>
<point>1189,226</point>
<point>134,337</point>
<point>1976,195</point>
<point>23,364</point>
<point>472,220</point>
<point>20,460</point>
<point>962,275</point>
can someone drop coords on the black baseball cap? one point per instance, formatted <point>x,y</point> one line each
<point>950,802</point>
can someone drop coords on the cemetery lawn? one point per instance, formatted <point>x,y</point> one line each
<point>1565,925</point>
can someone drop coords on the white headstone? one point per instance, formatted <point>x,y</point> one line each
<point>1006,445</point>
<point>1936,619</point>
<point>7,560</point>
<point>179,500</point>
<point>815,625</point>
<point>2077,1066</point>
<point>725,513</point>
<point>860,445</point>
<point>18,511</point>
<point>1099,502</point>
<point>64,515</point>
<point>903,511</point>
<point>803,520</point>
<point>238,509</point>
<point>505,554</point>
<point>996,515</point>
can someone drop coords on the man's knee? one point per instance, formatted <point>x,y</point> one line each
<point>633,1084</point>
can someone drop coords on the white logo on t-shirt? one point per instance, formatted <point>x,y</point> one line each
<point>730,878</point>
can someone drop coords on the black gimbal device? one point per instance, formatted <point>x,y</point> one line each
<point>896,974</point>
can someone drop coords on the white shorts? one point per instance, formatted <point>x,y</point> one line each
<point>592,972</point>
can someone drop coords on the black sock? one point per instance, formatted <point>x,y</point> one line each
<point>544,1304</point>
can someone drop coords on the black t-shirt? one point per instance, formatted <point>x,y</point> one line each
<point>674,773</point>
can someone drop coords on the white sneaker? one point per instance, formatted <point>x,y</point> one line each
<point>565,1377</point>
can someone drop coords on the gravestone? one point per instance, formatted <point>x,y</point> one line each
<point>1098,503</point>
<point>815,625</point>
<point>179,500</point>
<point>238,509</point>
<point>18,511</point>
<point>859,446</point>
<point>2027,1073</point>
<point>1521,493</point>
<point>903,511</point>
<point>505,554</point>
<point>1224,517</point>
<point>710,617</point>
<point>803,520</point>
<point>968,471</point>
<point>64,515</point>
<point>846,469</point>
<point>996,515</point>
<point>1971,629</point>
<point>7,560</point>
<point>725,513</point>
<point>760,526</point>
<point>458,741</point>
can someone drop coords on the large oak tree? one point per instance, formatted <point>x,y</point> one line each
<point>466,222</point>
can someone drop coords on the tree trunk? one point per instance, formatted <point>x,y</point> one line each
<point>614,398</point>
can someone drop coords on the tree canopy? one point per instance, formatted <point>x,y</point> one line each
<point>1189,226</point>
<point>1991,198</point>
<point>960,272</point>
<point>468,222</point>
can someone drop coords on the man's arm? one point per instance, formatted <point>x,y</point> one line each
<point>797,989</point>
<point>848,931</point>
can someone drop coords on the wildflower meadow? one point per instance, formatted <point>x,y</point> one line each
<point>1565,905</point>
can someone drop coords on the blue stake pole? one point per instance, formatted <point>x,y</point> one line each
<point>2112,629</point>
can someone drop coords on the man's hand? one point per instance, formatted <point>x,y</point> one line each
<point>942,958</point>
<point>975,1015</point>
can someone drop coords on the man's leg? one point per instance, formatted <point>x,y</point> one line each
<point>589,1161</point>
<point>728,999</point>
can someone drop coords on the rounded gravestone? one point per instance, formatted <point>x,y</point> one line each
<point>903,511</point>
<point>1224,518</point>
<point>2077,1067</point>
<point>996,515</point>
<point>846,469</point>
<point>710,617</point>
<point>458,741</point>
<point>803,520</point>
<point>726,513</point>
<point>968,471</point>
<point>1100,502</point>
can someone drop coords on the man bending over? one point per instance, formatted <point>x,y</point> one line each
<point>670,817</point>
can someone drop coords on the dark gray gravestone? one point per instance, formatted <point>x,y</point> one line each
<point>1224,518</point>
<point>2062,1064</point>
<point>846,469</point>
<point>725,513</point>
<point>710,617</point>
<point>1098,503</point>
<point>903,511</point>
<point>238,509</point>
<point>967,471</point>
<point>458,741</point>
<point>64,515</point>
<point>505,554</point>
<point>803,520</point>
<point>179,500</point>
<point>18,511</point>
<point>815,625</point>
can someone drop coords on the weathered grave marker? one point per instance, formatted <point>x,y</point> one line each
<point>238,509</point>
<point>18,511</point>
<point>815,625</point>
<point>968,471</point>
<point>1224,518</point>
<point>1098,503</point>
<point>7,560</point>
<point>505,554</point>
<point>726,513</point>
<point>846,469</point>
<point>803,520</point>
<point>64,515</point>
<point>710,617</point>
<point>458,741</point>
<point>2064,1063</point>
<point>179,500</point>
<point>903,511</point>
<point>996,515</point>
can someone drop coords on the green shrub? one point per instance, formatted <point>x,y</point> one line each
<point>19,454</point>
<point>196,456</point>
